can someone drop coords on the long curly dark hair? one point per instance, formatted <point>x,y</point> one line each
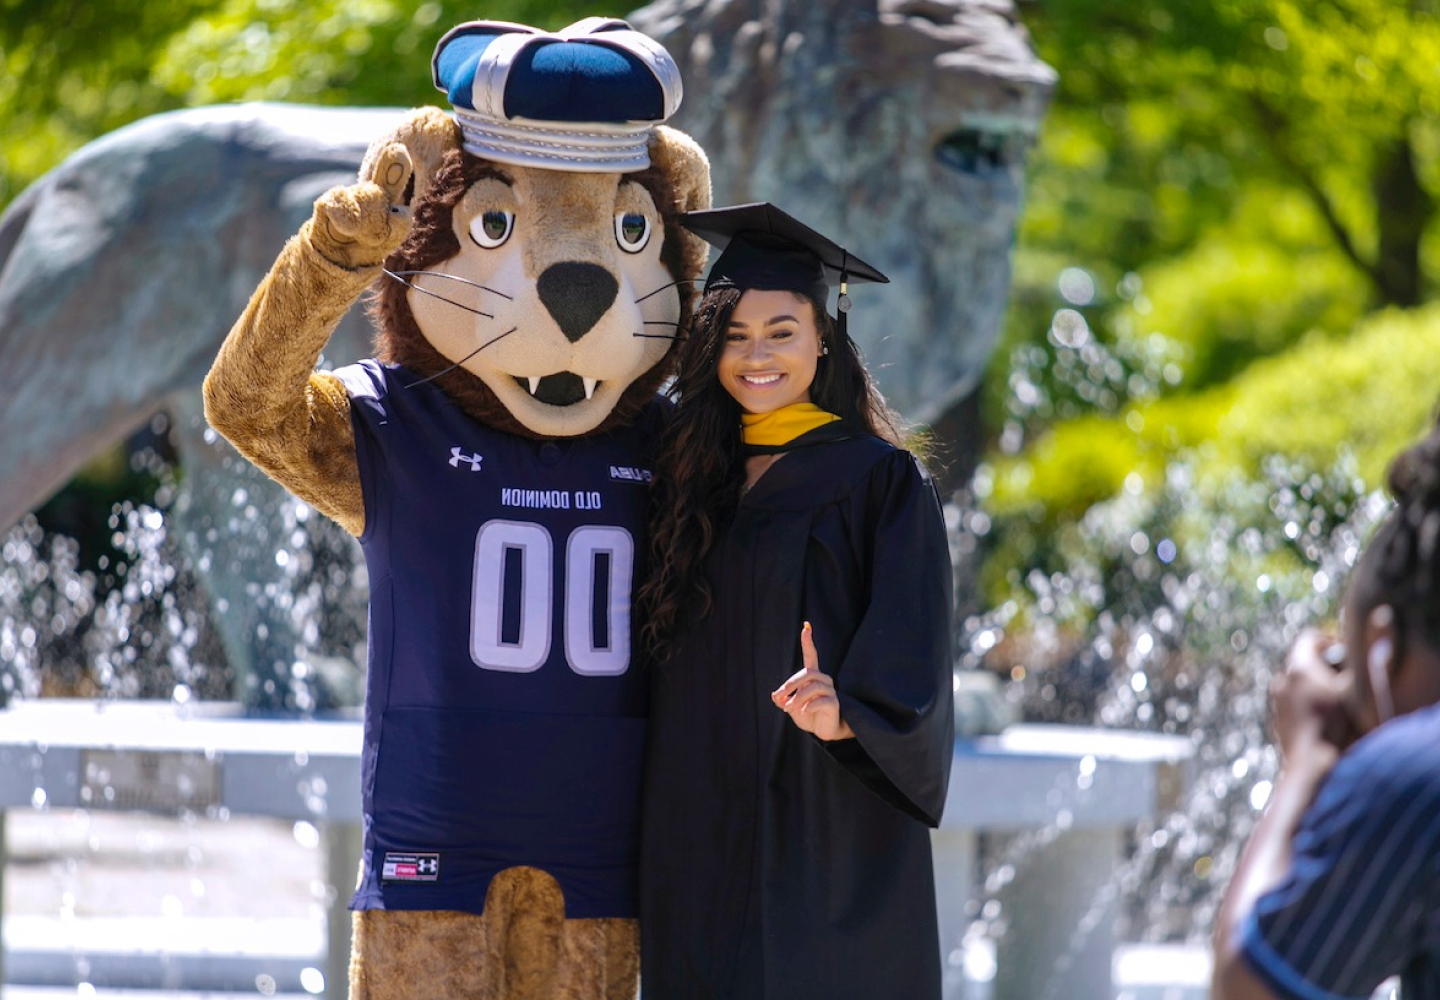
<point>700,467</point>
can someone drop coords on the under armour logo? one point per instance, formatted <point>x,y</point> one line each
<point>428,866</point>
<point>457,456</point>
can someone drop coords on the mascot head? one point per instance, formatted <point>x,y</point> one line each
<point>546,276</point>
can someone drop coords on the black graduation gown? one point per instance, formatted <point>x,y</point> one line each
<point>774,865</point>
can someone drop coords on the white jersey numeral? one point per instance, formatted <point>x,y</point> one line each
<point>497,543</point>
<point>513,561</point>
<point>589,548</point>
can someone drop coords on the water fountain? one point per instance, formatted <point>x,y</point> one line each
<point>1171,616</point>
<point>153,754</point>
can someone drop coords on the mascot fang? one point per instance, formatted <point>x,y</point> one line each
<point>492,460</point>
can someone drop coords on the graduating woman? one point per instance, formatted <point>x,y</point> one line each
<point>798,623</point>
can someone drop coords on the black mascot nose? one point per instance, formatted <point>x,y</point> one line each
<point>577,295</point>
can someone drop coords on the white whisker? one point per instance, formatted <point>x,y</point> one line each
<point>682,281</point>
<point>453,277</point>
<point>436,295</point>
<point>464,359</point>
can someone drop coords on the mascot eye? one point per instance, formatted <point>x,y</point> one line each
<point>632,231</point>
<point>492,229</point>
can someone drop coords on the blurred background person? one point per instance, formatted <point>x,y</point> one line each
<point>1338,888</point>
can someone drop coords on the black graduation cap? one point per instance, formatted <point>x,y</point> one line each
<point>765,249</point>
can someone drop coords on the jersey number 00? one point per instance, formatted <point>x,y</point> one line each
<point>513,603</point>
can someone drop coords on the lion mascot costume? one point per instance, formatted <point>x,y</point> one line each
<point>492,460</point>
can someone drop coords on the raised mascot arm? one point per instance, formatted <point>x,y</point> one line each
<point>263,393</point>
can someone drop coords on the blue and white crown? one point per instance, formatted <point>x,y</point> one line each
<point>586,98</point>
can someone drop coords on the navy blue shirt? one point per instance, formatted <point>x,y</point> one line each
<point>1362,900</point>
<point>503,723</point>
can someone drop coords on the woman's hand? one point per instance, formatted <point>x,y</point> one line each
<point>809,698</point>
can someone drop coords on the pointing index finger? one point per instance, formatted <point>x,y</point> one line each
<point>808,655</point>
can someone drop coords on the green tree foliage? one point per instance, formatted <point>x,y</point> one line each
<point>71,70</point>
<point>1168,108</point>
<point>1355,401</point>
<point>1220,182</point>
<point>362,52</point>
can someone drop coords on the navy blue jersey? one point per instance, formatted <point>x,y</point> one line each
<point>503,721</point>
<point>1362,900</point>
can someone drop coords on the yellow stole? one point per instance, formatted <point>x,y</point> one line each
<point>784,425</point>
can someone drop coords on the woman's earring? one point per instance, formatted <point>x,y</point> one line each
<point>824,349</point>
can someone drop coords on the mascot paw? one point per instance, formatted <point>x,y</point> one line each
<point>360,225</point>
<point>428,135</point>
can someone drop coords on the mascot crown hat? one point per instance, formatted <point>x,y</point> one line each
<point>586,98</point>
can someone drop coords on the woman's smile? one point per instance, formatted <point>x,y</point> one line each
<point>758,380</point>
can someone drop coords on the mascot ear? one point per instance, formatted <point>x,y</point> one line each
<point>681,159</point>
<point>428,134</point>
